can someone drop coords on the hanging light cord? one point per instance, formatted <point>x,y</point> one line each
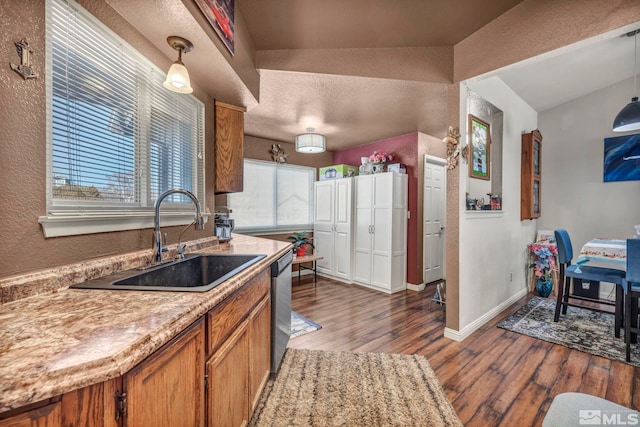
<point>635,63</point>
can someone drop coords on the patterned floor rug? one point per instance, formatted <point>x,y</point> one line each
<point>327,388</point>
<point>580,329</point>
<point>300,325</point>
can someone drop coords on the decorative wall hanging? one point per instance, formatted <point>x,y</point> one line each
<point>24,69</point>
<point>480,142</point>
<point>278,154</point>
<point>453,150</point>
<point>622,158</point>
<point>220,14</point>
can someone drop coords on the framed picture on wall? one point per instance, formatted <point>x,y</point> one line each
<point>220,15</point>
<point>622,158</point>
<point>479,152</point>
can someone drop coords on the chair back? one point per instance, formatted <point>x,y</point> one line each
<point>633,260</point>
<point>565,250</point>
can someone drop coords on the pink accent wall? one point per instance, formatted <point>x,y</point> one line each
<point>405,150</point>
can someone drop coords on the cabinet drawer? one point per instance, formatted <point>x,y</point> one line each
<point>223,319</point>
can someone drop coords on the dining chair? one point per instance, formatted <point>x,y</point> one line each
<point>584,272</point>
<point>632,292</point>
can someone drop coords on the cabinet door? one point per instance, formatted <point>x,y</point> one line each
<point>259,349</point>
<point>229,148</point>
<point>342,233</point>
<point>228,372</point>
<point>362,227</point>
<point>167,389</point>
<point>323,222</point>
<point>381,241</point>
<point>46,416</point>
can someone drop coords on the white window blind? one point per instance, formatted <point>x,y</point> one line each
<point>275,197</point>
<point>117,138</point>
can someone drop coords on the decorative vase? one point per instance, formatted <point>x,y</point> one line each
<point>544,287</point>
<point>377,167</point>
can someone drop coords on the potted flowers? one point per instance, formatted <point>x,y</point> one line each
<point>544,263</point>
<point>378,159</point>
<point>299,240</point>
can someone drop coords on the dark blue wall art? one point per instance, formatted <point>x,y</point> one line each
<point>622,158</point>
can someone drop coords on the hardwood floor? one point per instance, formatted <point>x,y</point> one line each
<point>493,378</point>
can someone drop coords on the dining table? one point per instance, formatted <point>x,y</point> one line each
<point>601,252</point>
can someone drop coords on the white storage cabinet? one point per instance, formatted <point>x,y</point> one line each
<point>380,231</point>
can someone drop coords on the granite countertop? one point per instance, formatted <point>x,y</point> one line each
<point>65,339</point>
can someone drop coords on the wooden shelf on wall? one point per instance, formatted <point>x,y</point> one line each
<point>531,170</point>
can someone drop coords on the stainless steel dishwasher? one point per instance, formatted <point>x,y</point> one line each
<point>280,308</point>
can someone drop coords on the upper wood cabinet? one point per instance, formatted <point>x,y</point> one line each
<point>229,148</point>
<point>531,170</point>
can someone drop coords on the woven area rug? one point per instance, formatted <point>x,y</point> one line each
<point>580,329</point>
<point>326,388</point>
<point>300,325</point>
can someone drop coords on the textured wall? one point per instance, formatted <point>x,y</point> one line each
<point>23,150</point>
<point>538,26</point>
<point>453,219</point>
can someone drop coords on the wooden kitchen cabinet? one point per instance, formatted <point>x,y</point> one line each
<point>229,148</point>
<point>93,405</point>
<point>238,335</point>
<point>228,373</point>
<point>530,173</point>
<point>44,416</point>
<point>167,389</point>
<point>259,350</point>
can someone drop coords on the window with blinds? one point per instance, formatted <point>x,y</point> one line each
<point>117,138</point>
<point>275,197</point>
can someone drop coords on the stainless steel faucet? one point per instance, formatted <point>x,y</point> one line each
<point>199,221</point>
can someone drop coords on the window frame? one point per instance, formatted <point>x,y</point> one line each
<point>278,229</point>
<point>73,217</point>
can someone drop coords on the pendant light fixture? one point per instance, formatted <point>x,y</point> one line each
<point>178,76</point>
<point>628,118</point>
<point>310,142</point>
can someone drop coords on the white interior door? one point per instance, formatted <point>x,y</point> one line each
<point>433,213</point>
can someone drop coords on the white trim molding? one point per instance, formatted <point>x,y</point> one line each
<point>419,287</point>
<point>476,324</point>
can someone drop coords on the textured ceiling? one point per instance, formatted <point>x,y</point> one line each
<point>356,97</point>
<point>348,110</point>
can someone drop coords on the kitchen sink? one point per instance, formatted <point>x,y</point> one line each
<point>196,273</point>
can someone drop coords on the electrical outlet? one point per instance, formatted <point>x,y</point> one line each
<point>511,277</point>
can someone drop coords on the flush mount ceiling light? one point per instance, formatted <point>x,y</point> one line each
<point>178,76</point>
<point>310,142</point>
<point>629,117</point>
